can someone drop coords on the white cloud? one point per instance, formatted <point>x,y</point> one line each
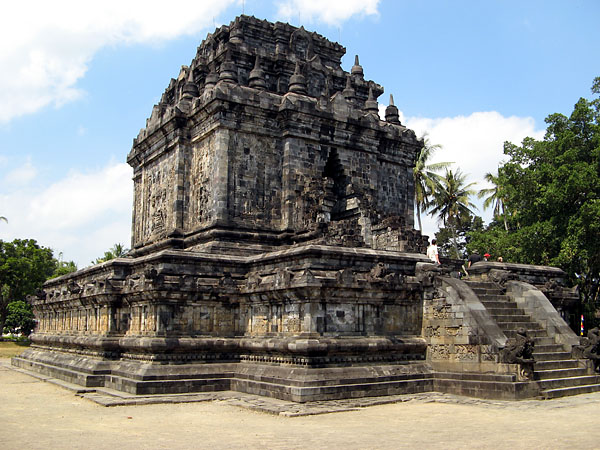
<point>21,175</point>
<point>475,144</point>
<point>80,198</point>
<point>81,215</point>
<point>332,12</point>
<point>45,47</point>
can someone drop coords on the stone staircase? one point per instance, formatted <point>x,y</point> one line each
<point>556,372</point>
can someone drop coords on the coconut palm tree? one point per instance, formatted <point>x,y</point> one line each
<point>451,201</point>
<point>117,251</point>
<point>494,198</point>
<point>425,176</point>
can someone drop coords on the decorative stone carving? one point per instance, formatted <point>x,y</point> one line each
<point>519,350</point>
<point>253,281</point>
<point>345,277</point>
<point>227,280</point>
<point>73,287</point>
<point>590,348</point>
<point>301,44</point>
<point>427,273</point>
<point>501,276</point>
<point>283,278</point>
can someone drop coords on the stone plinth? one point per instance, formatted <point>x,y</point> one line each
<point>311,307</point>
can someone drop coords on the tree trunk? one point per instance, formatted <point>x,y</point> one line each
<point>454,243</point>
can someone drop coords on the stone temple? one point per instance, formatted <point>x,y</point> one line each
<point>273,252</point>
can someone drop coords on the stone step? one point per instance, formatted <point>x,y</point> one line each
<point>543,340</point>
<point>494,298</point>
<point>551,356</point>
<point>334,392</point>
<point>548,348</point>
<point>490,295</point>
<point>475,376</point>
<point>483,286</point>
<point>531,333</point>
<point>557,383</point>
<point>556,364</point>
<point>507,318</point>
<point>177,386</point>
<point>498,304</point>
<point>529,326</point>
<point>505,311</point>
<point>61,373</point>
<point>513,390</point>
<point>560,373</point>
<point>567,391</point>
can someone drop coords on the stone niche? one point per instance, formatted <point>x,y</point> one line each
<point>272,237</point>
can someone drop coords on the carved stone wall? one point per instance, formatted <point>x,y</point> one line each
<point>264,132</point>
<point>272,226</point>
<point>127,307</point>
<point>458,329</point>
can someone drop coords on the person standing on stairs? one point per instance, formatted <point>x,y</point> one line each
<point>475,257</point>
<point>432,252</point>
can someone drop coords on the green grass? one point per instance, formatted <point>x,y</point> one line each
<point>8,349</point>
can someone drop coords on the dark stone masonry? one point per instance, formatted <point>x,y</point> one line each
<point>273,251</point>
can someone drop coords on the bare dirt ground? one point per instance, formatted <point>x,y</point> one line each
<point>39,415</point>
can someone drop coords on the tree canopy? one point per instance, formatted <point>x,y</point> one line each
<point>452,204</point>
<point>20,318</point>
<point>116,251</point>
<point>24,266</point>
<point>445,237</point>
<point>551,198</point>
<point>425,176</point>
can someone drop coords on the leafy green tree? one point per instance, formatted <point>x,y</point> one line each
<point>451,202</point>
<point>425,176</point>
<point>63,268</point>
<point>467,224</point>
<point>24,266</point>
<point>496,241</point>
<point>20,318</point>
<point>552,189</point>
<point>116,251</point>
<point>494,197</point>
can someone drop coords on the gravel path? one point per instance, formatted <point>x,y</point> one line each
<point>38,415</point>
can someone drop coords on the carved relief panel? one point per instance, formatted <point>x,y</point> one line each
<point>201,173</point>
<point>255,180</point>
<point>157,198</point>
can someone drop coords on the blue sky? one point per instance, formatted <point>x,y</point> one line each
<point>78,80</point>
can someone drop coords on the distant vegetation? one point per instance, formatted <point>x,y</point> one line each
<point>116,251</point>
